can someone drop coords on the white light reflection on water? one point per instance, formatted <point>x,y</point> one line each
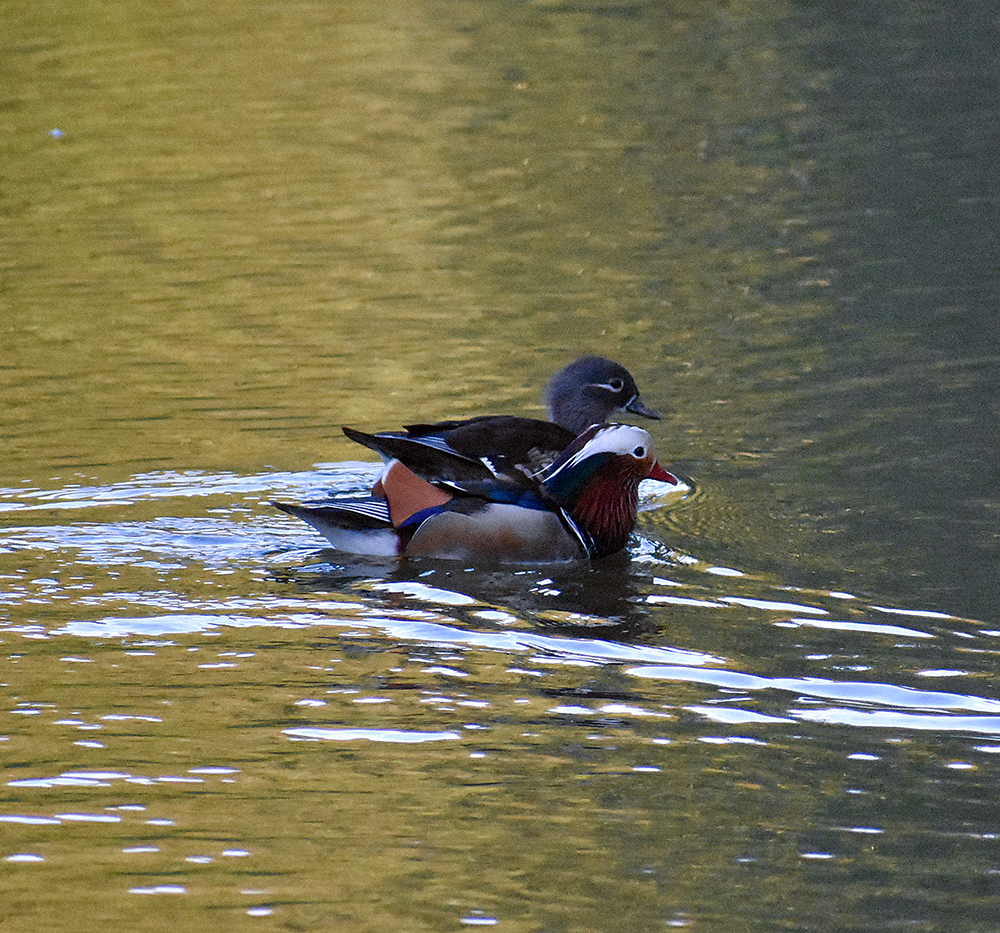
<point>735,717</point>
<point>895,701</point>
<point>683,601</point>
<point>889,719</point>
<point>426,593</point>
<point>916,613</point>
<point>608,709</point>
<point>887,694</point>
<point>334,477</point>
<point>394,736</point>
<point>28,820</point>
<point>872,628</point>
<point>104,779</point>
<point>594,650</point>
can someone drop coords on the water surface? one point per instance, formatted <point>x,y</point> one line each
<point>228,231</point>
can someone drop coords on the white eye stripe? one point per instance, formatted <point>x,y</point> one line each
<point>615,438</point>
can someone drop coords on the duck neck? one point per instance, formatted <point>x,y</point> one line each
<point>605,510</point>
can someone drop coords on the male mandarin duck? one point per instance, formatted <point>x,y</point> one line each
<point>501,488</point>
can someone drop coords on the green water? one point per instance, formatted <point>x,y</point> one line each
<point>226,231</point>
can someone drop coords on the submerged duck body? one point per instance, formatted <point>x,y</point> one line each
<point>581,505</point>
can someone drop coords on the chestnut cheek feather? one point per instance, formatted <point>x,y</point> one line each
<point>606,508</point>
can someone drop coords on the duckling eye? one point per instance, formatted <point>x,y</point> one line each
<point>639,452</point>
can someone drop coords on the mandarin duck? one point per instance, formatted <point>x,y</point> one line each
<point>583,393</point>
<point>583,504</point>
<point>499,487</point>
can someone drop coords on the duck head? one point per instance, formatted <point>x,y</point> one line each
<point>588,390</point>
<point>596,483</point>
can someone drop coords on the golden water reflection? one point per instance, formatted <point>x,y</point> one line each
<point>228,229</point>
<point>254,229</point>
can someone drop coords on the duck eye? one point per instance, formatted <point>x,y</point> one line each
<point>616,384</point>
<point>639,452</point>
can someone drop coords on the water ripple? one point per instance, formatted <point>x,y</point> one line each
<point>896,702</point>
<point>169,484</point>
